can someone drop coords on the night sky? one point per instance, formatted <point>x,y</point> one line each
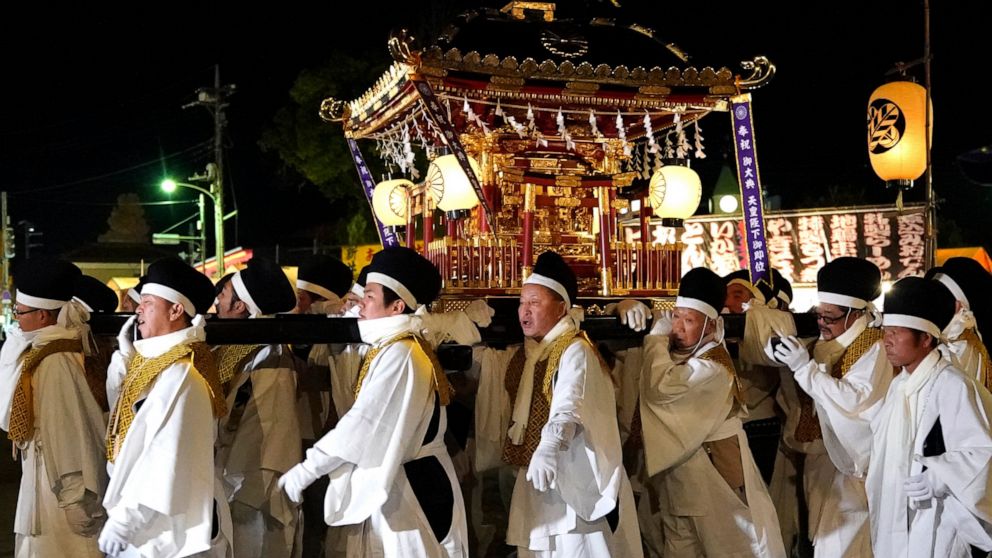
<point>92,99</point>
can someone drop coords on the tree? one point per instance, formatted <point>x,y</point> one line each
<point>127,221</point>
<point>317,150</point>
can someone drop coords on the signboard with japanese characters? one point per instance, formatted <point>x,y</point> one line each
<point>799,243</point>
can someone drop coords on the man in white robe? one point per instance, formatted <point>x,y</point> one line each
<point>571,497</point>
<point>52,416</point>
<point>848,373</point>
<point>758,375</point>
<point>963,344</point>
<point>705,486</point>
<point>931,448</point>
<point>391,479</point>
<point>258,440</point>
<point>164,499</point>
<point>323,284</point>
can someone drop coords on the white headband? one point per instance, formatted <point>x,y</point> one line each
<point>545,281</point>
<point>316,289</point>
<point>397,287</point>
<point>953,286</point>
<point>82,303</point>
<point>170,294</point>
<point>696,304</point>
<point>784,297</point>
<point>244,295</point>
<point>912,322</point>
<point>133,294</point>
<point>749,286</point>
<point>358,290</point>
<point>39,302</point>
<point>842,300</point>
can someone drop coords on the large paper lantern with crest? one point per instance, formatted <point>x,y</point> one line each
<point>448,186</point>
<point>389,201</point>
<point>897,135</point>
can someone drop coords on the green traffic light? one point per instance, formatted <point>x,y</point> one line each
<point>169,185</point>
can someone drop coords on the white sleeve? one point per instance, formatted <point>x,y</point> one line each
<point>858,391</point>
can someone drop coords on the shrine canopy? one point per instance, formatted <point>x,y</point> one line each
<point>506,62</point>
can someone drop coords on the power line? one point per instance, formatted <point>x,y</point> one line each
<point>102,204</point>
<point>119,171</point>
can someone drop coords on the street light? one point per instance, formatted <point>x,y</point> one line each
<point>168,185</point>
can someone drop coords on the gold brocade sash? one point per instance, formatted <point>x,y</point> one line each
<point>972,338</point>
<point>230,359</point>
<point>22,405</point>
<point>540,401</point>
<point>719,355</point>
<point>141,372</point>
<point>808,427</point>
<point>441,386</point>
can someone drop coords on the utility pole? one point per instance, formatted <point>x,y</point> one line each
<point>215,100</point>
<point>8,254</point>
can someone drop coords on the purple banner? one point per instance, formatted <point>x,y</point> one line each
<point>437,114</point>
<point>386,235</point>
<point>751,203</point>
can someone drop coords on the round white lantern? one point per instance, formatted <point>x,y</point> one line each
<point>675,192</point>
<point>389,201</point>
<point>448,186</point>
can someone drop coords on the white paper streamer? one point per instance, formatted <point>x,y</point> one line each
<point>563,131</point>
<point>622,134</point>
<point>649,133</point>
<point>593,127</point>
<point>700,154</point>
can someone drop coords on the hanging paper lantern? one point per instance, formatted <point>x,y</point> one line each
<point>897,131</point>
<point>675,191</point>
<point>448,186</point>
<point>389,201</point>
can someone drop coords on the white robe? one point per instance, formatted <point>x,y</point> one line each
<point>839,516</point>
<point>946,526</point>
<point>684,404</point>
<point>163,477</point>
<point>382,431</point>
<point>63,462</point>
<point>570,519</point>
<point>254,453</point>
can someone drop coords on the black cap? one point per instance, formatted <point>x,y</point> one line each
<point>782,289</point>
<point>407,273</point>
<point>95,294</point>
<point>551,271</point>
<point>917,303</point>
<point>323,274</point>
<point>170,276</point>
<point>849,282</point>
<point>743,277</point>
<point>46,283</point>
<point>268,288</point>
<point>702,290</point>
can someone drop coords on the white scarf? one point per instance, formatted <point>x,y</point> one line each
<point>379,329</point>
<point>160,344</point>
<point>893,445</point>
<point>19,341</point>
<point>962,321</point>
<point>534,351</point>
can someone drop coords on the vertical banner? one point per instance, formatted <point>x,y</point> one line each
<point>747,176</point>
<point>386,235</point>
<point>437,114</point>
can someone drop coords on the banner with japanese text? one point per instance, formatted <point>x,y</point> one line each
<point>799,243</point>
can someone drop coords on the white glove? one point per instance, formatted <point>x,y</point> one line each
<point>126,337</point>
<point>792,353</point>
<point>113,538</point>
<point>480,312</point>
<point>662,323</point>
<point>921,488</point>
<point>633,313</point>
<point>543,468</point>
<point>296,480</point>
